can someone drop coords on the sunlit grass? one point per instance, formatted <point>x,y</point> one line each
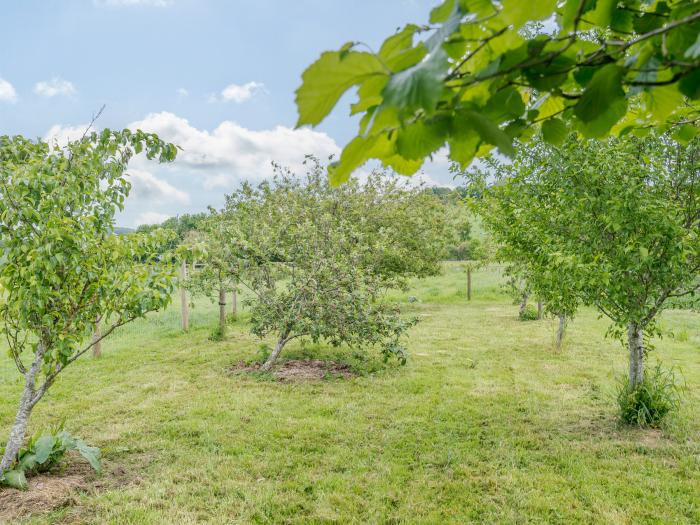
<point>485,424</point>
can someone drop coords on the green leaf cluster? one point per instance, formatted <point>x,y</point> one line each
<point>486,72</point>
<point>43,452</point>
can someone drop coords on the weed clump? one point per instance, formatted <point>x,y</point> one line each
<point>648,403</point>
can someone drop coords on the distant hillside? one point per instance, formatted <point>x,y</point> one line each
<point>121,231</point>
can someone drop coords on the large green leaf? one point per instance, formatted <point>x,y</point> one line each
<point>43,447</point>
<point>463,142</point>
<point>689,85</point>
<point>489,131</point>
<point>554,131</point>
<point>603,12</point>
<point>15,479</point>
<point>603,89</point>
<point>694,50</point>
<point>325,81</point>
<point>354,155</point>
<point>601,125</point>
<point>92,454</point>
<point>397,51</point>
<point>517,12</point>
<point>418,87</point>
<point>421,138</point>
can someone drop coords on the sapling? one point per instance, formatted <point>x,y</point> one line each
<point>62,267</point>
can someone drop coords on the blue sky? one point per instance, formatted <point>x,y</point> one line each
<point>215,76</point>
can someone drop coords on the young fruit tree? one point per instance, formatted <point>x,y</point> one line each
<point>319,260</point>
<point>218,266</point>
<point>484,72</point>
<point>613,224</point>
<point>63,269</point>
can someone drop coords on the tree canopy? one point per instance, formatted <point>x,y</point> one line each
<point>613,224</point>
<point>484,72</point>
<point>318,261</point>
<point>63,268</point>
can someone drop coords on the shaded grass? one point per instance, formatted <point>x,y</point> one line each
<point>485,424</point>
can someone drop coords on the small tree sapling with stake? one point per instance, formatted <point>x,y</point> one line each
<point>62,267</point>
<point>219,270</point>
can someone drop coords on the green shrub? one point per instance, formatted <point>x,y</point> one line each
<point>529,313</point>
<point>649,402</point>
<point>43,452</point>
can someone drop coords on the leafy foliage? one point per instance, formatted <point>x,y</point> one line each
<point>611,224</point>
<point>647,404</point>
<point>484,72</point>
<point>63,268</point>
<point>43,452</point>
<point>529,313</point>
<point>319,260</point>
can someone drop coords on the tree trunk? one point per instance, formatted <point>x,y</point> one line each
<point>275,353</point>
<point>635,341</point>
<point>469,284</point>
<point>97,338</point>
<point>560,331</point>
<point>523,304</point>
<point>234,302</point>
<point>183,298</point>
<point>222,311</point>
<point>26,404</point>
<point>540,309</point>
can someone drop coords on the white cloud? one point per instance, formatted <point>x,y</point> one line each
<point>240,93</point>
<point>231,153</point>
<point>182,92</point>
<point>150,217</point>
<point>146,186</point>
<point>130,3</point>
<point>7,91</point>
<point>53,87</point>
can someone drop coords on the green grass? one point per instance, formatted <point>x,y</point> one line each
<point>485,424</point>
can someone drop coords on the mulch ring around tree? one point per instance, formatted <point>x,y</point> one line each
<point>300,370</point>
<point>59,488</point>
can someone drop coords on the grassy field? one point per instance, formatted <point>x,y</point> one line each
<point>484,424</point>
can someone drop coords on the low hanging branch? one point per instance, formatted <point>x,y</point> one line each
<point>484,71</point>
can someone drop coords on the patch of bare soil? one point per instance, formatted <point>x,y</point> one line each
<point>301,370</point>
<point>59,488</point>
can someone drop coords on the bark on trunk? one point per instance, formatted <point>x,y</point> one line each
<point>234,302</point>
<point>26,404</point>
<point>222,311</point>
<point>183,298</point>
<point>272,358</point>
<point>97,338</point>
<point>469,284</point>
<point>540,309</point>
<point>523,304</point>
<point>635,341</point>
<point>560,331</point>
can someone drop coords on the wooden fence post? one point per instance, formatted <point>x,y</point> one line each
<point>222,311</point>
<point>234,302</point>
<point>97,338</point>
<point>183,298</point>
<point>469,283</point>
<point>540,309</point>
